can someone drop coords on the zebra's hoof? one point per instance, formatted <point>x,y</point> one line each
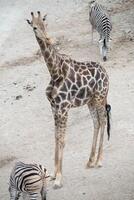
<point>104,58</point>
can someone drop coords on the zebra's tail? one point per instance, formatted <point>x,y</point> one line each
<point>104,49</point>
<point>108,111</point>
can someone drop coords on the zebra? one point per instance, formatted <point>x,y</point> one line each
<point>100,21</point>
<point>28,179</point>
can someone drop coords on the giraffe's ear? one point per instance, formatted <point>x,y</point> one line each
<point>44,18</point>
<point>28,21</point>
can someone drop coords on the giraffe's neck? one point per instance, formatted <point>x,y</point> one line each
<point>50,56</point>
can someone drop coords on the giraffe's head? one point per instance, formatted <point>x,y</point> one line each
<point>39,25</point>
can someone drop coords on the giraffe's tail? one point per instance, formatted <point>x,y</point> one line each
<point>108,111</point>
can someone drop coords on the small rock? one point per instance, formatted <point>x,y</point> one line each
<point>18,97</point>
<point>58,48</point>
<point>29,87</point>
<point>58,20</point>
<point>69,40</point>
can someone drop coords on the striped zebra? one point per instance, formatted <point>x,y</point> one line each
<point>28,179</point>
<point>100,21</point>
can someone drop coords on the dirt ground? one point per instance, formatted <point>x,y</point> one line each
<point>26,122</point>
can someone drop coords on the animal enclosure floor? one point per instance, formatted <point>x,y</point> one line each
<point>26,122</point>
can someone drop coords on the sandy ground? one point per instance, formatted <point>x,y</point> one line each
<point>26,123</point>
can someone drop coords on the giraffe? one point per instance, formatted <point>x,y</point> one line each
<point>73,84</point>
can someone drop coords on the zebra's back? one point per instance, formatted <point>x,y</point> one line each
<point>27,178</point>
<point>100,21</point>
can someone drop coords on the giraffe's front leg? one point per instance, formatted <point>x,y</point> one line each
<point>60,128</point>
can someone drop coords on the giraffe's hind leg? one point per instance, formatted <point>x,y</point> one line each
<point>102,120</point>
<point>95,117</point>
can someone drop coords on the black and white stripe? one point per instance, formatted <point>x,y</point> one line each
<point>100,21</point>
<point>28,179</point>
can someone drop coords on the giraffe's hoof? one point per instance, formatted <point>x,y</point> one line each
<point>57,185</point>
<point>90,165</point>
<point>52,178</point>
<point>58,182</point>
<point>98,164</point>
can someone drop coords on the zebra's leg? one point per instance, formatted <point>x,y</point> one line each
<point>43,193</point>
<point>24,195</point>
<point>18,195</point>
<point>94,114</point>
<point>102,119</point>
<point>14,194</point>
<point>100,36</point>
<point>60,129</point>
<point>43,196</point>
<point>104,53</point>
<point>101,46</point>
<point>109,44</point>
<point>92,31</point>
<point>33,196</point>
